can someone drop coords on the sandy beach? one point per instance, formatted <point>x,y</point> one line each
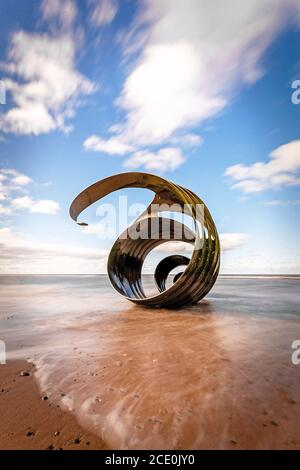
<point>217,375</point>
<point>30,421</point>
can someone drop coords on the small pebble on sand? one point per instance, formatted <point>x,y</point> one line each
<point>24,373</point>
<point>274,423</point>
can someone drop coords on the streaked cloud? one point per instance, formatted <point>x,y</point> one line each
<point>281,202</point>
<point>112,146</point>
<point>189,140</point>
<point>35,206</point>
<point>280,171</point>
<point>161,95</point>
<point>165,159</point>
<point>96,229</point>
<point>61,13</point>
<point>13,178</point>
<point>102,12</point>
<point>12,184</point>
<point>174,247</point>
<point>46,87</point>
<point>229,241</point>
<point>191,60</point>
<point>19,254</point>
<point>4,210</point>
<point>12,181</point>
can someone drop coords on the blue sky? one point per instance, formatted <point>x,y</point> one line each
<point>192,90</point>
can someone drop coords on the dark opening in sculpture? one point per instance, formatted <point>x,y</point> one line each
<point>128,253</point>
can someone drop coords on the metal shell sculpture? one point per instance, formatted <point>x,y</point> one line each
<point>128,253</point>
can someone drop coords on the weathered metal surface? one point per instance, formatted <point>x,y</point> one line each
<point>127,255</point>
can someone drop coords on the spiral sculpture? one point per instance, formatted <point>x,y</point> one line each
<point>128,253</point>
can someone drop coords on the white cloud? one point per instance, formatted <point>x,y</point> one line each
<point>165,159</point>
<point>46,88</point>
<point>36,206</point>
<point>174,247</point>
<point>44,206</point>
<point>63,12</point>
<point>3,193</point>
<point>4,210</point>
<point>16,179</point>
<point>281,202</point>
<point>31,118</point>
<point>95,229</point>
<point>21,180</point>
<point>159,95</point>
<point>194,55</point>
<point>11,181</point>
<point>112,146</point>
<point>281,170</point>
<point>187,140</point>
<point>102,12</point>
<point>18,242</point>
<point>12,184</point>
<point>229,241</point>
<point>19,254</point>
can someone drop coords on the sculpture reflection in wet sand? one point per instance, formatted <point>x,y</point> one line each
<point>128,253</point>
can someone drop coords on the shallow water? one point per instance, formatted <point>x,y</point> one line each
<point>217,375</point>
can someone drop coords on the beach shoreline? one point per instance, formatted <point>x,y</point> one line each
<point>218,375</point>
<point>29,421</point>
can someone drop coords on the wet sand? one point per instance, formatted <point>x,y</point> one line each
<point>30,422</point>
<point>217,375</point>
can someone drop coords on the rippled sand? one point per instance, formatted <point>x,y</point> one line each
<point>217,375</point>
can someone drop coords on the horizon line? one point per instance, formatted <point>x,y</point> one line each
<point>146,274</point>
